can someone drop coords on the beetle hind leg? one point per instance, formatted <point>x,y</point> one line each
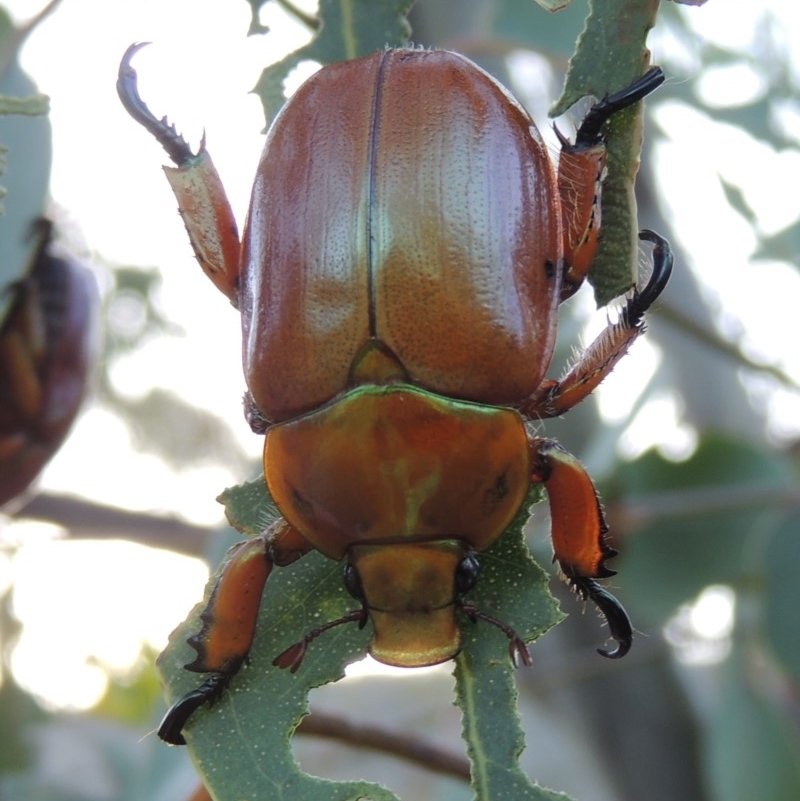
<point>601,356</point>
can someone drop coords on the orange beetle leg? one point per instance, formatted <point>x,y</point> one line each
<point>598,360</point>
<point>579,534</point>
<point>580,180</point>
<point>581,169</point>
<point>229,620</point>
<point>196,184</point>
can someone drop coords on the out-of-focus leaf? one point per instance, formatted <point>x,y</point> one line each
<point>753,750</point>
<point>26,150</point>
<point>133,697</point>
<point>755,118</point>
<point>523,24</point>
<point>30,106</point>
<point>704,529</point>
<point>347,29</point>
<point>783,246</point>
<point>781,595</point>
<point>737,200</point>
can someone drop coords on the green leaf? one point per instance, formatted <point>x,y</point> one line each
<point>781,246</point>
<point>241,745</point>
<point>30,106</point>
<point>347,29</point>
<point>753,751</point>
<point>703,520</point>
<point>25,147</point>
<point>610,55</point>
<point>737,200</point>
<point>781,579</point>
<point>513,588</point>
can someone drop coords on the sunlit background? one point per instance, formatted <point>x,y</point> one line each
<point>113,201</point>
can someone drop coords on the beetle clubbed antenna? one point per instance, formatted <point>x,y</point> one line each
<point>517,649</point>
<point>128,90</point>
<point>293,656</point>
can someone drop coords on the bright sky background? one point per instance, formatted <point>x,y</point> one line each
<point>106,179</point>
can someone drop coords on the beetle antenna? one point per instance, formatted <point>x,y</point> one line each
<point>619,623</point>
<point>128,90</point>
<point>589,132</point>
<point>293,656</point>
<point>517,649</point>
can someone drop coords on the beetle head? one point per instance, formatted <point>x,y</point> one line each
<point>411,590</point>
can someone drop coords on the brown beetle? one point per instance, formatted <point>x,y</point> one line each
<point>406,249</point>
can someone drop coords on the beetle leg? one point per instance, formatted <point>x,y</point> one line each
<point>598,360</point>
<point>581,169</point>
<point>202,201</point>
<point>579,534</point>
<point>229,619</point>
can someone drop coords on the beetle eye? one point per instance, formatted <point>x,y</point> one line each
<point>352,583</point>
<point>467,572</point>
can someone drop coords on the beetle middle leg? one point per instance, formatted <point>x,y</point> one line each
<point>599,359</point>
<point>581,170</point>
<point>229,619</point>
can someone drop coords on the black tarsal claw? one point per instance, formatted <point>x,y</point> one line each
<point>589,134</point>
<point>128,90</point>
<point>619,624</point>
<point>643,299</point>
<point>171,728</point>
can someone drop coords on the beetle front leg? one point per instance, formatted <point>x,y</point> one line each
<point>229,620</point>
<point>599,359</point>
<point>578,531</point>
<point>202,201</point>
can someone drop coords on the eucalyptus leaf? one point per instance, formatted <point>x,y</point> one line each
<point>708,516</point>
<point>513,588</point>
<point>611,54</point>
<point>347,29</point>
<point>753,750</point>
<point>781,580</point>
<point>242,743</point>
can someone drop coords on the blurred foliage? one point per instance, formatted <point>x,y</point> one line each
<point>663,723</point>
<point>25,153</point>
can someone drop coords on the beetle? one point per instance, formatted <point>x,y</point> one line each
<point>47,348</point>
<point>407,245</point>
